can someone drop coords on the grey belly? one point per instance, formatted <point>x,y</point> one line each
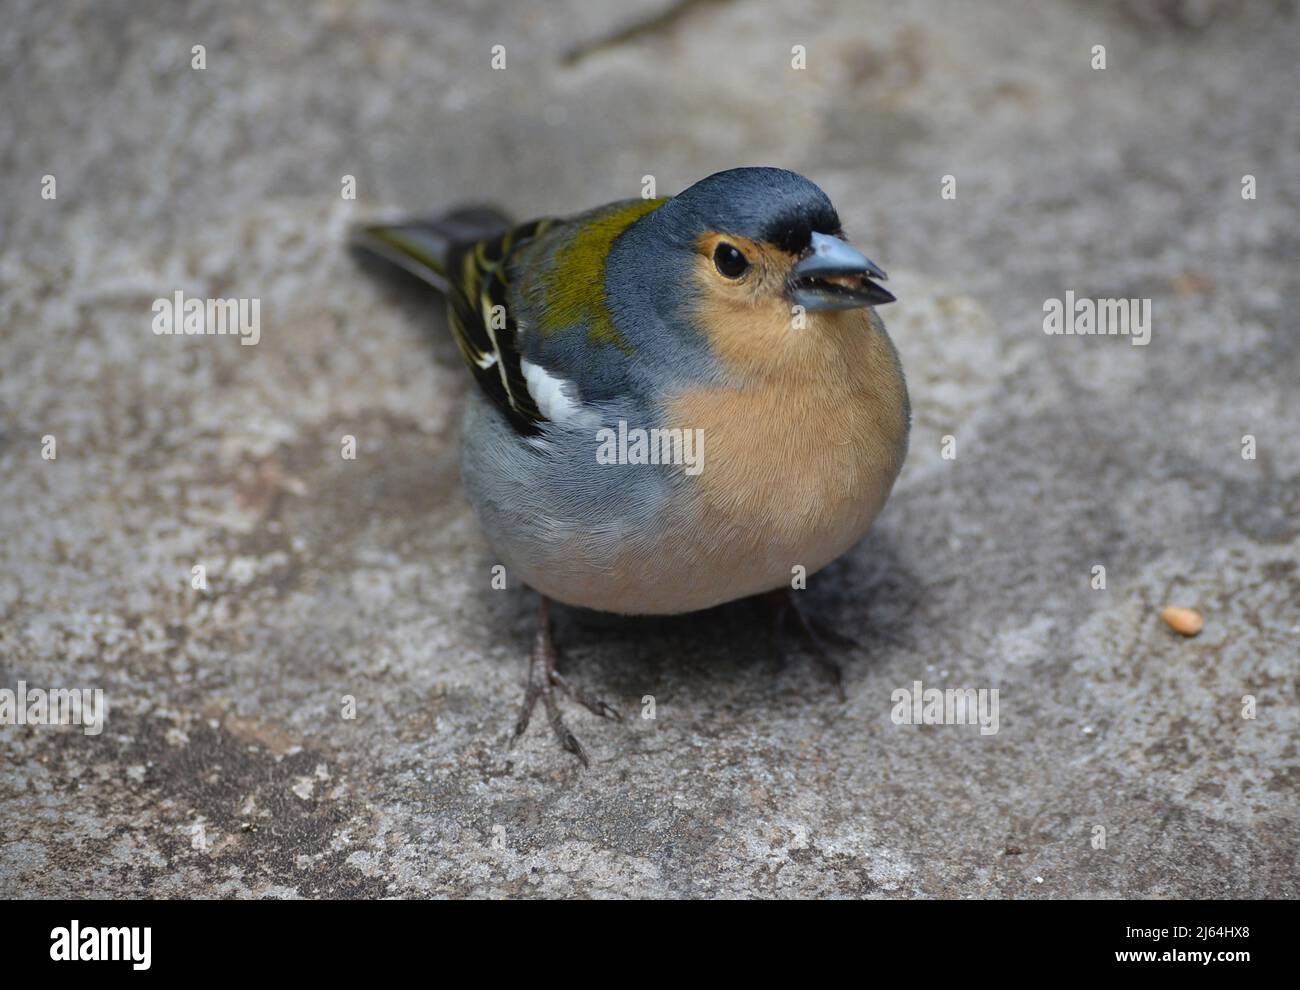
<point>558,520</point>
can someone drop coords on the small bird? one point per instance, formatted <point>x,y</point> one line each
<point>683,401</point>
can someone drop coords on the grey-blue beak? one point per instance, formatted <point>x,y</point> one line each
<point>836,275</point>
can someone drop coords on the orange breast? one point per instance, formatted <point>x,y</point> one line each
<point>810,449</point>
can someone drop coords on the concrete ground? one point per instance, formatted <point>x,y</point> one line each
<point>1123,765</point>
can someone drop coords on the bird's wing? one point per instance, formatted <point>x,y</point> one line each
<point>451,254</point>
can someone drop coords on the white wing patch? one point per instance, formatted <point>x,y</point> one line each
<point>555,397</point>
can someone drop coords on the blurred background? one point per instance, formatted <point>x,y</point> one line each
<point>225,767</point>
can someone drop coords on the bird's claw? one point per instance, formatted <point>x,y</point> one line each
<point>594,705</point>
<point>542,685</point>
<point>815,633</point>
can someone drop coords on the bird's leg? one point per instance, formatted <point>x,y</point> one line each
<point>782,605</point>
<point>543,684</point>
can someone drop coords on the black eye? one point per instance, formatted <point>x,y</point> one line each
<point>730,262</point>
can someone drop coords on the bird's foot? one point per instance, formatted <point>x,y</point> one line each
<point>817,635</point>
<point>543,681</point>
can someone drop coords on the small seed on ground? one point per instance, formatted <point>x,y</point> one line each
<point>1186,621</point>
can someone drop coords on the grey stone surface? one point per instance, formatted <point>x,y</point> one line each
<point>225,767</point>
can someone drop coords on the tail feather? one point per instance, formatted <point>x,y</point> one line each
<point>466,255</point>
<point>425,247</point>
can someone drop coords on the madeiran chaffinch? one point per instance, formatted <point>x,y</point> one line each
<point>683,401</point>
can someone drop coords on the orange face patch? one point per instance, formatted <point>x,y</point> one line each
<point>754,328</point>
<point>764,279</point>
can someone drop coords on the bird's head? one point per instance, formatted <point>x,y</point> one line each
<point>754,261</point>
<point>764,235</point>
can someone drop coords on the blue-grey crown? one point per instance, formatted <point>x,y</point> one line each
<point>770,205</point>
